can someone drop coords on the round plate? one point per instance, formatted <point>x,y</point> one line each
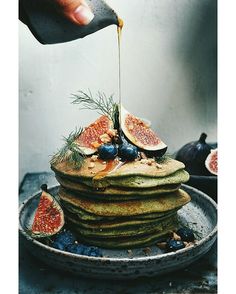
<point>200,214</point>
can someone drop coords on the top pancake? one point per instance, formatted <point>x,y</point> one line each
<point>134,168</point>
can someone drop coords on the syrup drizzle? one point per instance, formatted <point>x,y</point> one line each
<point>119,30</point>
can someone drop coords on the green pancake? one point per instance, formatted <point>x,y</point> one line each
<point>114,193</point>
<point>137,181</point>
<point>130,208</point>
<point>123,231</point>
<point>167,167</point>
<point>129,242</point>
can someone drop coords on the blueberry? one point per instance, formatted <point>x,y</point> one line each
<point>107,151</point>
<point>186,234</point>
<point>66,238</point>
<point>173,245</point>
<point>76,248</point>
<point>92,251</point>
<point>128,152</point>
<point>58,245</point>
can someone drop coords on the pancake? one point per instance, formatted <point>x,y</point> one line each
<point>127,231</point>
<point>133,241</point>
<point>115,193</point>
<point>167,167</point>
<point>138,181</point>
<point>118,223</point>
<point>130,208</point>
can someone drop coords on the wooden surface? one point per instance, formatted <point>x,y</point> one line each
<point>35,277</point>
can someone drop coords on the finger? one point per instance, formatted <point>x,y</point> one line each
<point>76,11</point>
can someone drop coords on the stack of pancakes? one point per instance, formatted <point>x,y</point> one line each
<point>117,205</point>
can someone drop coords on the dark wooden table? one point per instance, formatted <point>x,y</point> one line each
<point>37,278</point>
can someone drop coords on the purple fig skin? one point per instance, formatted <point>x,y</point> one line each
<point>193,155</point>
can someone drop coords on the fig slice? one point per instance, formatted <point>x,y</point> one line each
<point>48,218</point>
<point>95,135</point>
<point>211,162</point>
<point>139,133</point>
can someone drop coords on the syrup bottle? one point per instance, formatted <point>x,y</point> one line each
<point>50,27</point>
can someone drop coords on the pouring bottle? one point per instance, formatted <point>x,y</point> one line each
<point>50,27</point>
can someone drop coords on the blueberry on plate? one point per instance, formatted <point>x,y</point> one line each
<point>58,245</point>
<point>65,238</point>
<point>186,234</point>
<point>93,251</point>
<point>107,151</point>
<point>173,245</point>
<point>76,248</point>
<point>128,152</point>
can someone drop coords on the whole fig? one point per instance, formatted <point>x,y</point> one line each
<point>194,154</point>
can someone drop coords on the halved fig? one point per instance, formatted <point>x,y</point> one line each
<point>139,133</point>
<point>48,218</point>
<point>211,162</point>
<point>96,134</point>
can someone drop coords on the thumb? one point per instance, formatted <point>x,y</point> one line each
<point>76,11</point>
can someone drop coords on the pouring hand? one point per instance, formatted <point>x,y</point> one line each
<point>76,11</point>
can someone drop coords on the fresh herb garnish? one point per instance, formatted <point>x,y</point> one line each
<point>101,103</point>
<point>70,151</point>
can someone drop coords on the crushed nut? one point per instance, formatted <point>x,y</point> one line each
<point>105,138</point>
<point>91,165</point>
<point>95,144</point>
<point>112,133</point>
<point>144,161</point>
<point>147,250</point>
<point>176,237</point>
<point>94,158</point>
<point>158,165</point>
<point>130,252</point>
<point>143,155</point>
<point>104,162</point>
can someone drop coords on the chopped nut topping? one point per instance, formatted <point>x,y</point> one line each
<point>144,161</point>
<point>91,165</point>
<point>176,237</point>
<point>112,133</point>
<point>158,165</point>
<point>147,250</point>
<point>94,158</point>
<point>143,155</point>
<point>105,138</point>
<point>95,144</point>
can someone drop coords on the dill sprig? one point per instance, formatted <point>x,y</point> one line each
<point>101,103</point>
<point>70,151</point>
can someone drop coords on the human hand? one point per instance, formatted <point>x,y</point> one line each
<point>76,11</point>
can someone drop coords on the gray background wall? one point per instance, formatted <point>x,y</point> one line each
<point>168,76</point>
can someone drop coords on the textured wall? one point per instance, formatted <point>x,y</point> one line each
<point>168,76</point>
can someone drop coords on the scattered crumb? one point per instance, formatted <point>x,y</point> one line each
<point>112,133</point>
<point>161,245</point>
<point>91,165</point>
<point>143,155</point>
<point>176,237</point>
<point>95,144</point>
<point>188,244</point>
<point>94,158</point>
<point>130,253</point>
<point>147,250</point>
<point>158,165</point>
<point>105,138</point>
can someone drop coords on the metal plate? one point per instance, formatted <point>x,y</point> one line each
<point>200,215</point>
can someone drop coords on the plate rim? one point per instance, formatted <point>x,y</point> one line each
<point>211,235</point>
